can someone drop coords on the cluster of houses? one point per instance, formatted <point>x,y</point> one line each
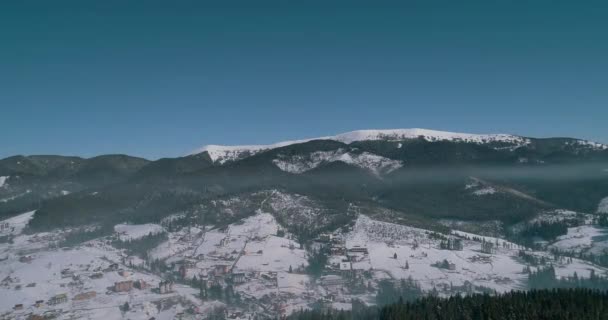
<point>165,287</point>
<point>54,300</point>
<point>453,244</point>
<point>5,227</point>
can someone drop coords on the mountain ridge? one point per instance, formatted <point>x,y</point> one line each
<point>224,153</point>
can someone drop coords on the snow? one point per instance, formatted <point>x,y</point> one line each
<point>3,180</point>
<point>136,231</point>
<point>17,223</point>
<point>376,164</point>
<point>429,135</point>
<point>592,144</point>
<point>602,207</point>
<point>45,271</point>
<point>15,196</point>
<point>478,187</point>
<point>498,271</point>
<point>583,238</point>
<point>484,191</point>
<point>501,271</point>
<point>222,154</point>
<point>278,254</point>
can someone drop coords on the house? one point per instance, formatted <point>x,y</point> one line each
<point>67,273</point>
<point>326,237</point>
<point>238,278</point>
<point>188,263</point>
<point>165,287</point>
<point>39,303</point>
<point>338,251</point>
<point>358,249</point>
<point>26,259</point>
<point>454,244</point>
<point>183,271</point>
<point>85,296</point>
<point>18,306</point>
<point>123,286</point>
<point>58,299</point>
<point>141,284</point>
<point>345,266</point>
<point>487,247</point>
<point>332,280</point>
<point>221,269</point>
<point>451,266</point>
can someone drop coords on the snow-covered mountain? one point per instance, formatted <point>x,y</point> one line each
<point>376,164</point>
<point>222,154</point>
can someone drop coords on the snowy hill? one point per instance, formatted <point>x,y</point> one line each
<point>222,154</point>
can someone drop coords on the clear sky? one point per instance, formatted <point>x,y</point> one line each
<point>137,77</point>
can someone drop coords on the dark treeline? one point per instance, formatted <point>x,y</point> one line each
<point>545,230</point>
<point>141,246</point>
<point>556,304</point>
<point>545,278</point>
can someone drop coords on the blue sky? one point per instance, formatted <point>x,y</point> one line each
<point>147,79</point>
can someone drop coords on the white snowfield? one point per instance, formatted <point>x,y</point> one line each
<point>500,271</point>
<point>586,238</point>
<point>136,231</point>
<point>376,164</point>
<point>17,223</point>
<point>222,154</point>
<point>3,180</point>
<point>429,135</point>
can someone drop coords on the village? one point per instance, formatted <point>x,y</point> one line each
<point>251,269</point>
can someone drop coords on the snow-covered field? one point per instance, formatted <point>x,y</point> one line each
<point>17,223</point>
<point>586,238</point>
<point>383,240</point>
<point>3,180</point>
<point>500,271</point>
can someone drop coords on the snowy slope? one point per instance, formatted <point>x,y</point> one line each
<point>17,223</point>
<point>223,154</point>
<point>391,246</point>
<point>429,135</point>
<point>3,180</point>
<point>374,163</point>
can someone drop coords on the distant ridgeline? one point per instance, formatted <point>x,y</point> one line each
<point>557,304</point>
<point>424,175</point>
